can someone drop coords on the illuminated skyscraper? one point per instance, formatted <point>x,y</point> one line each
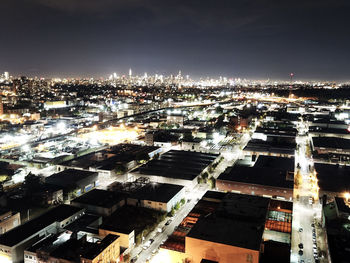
<point>1,106</point>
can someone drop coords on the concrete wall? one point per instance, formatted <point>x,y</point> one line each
<point>125,240</point>
<point>191,146</point>
<point>30,257</point>
<point>251,189</point>
<point>109,254</point>
<point>165,180</point>
<point>9,221</point>
<point>202,249</point>
<point>104,211</point>
<point>166,207</point>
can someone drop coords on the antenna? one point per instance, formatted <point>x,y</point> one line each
<point>291,77</point>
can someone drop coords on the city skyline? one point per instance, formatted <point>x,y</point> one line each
<point>255,40</point>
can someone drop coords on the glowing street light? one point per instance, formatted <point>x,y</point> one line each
<point>347,196</point>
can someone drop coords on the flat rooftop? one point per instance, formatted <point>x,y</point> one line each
<point>98,197</point>
<point>69,177</point>
<point>325,130</point>
<point>273,162</point>
<point>277,131</point>
<point>331,142</point>
<point>268,170</point>
<point>49,243</point>
<point>238,221</point>
<point>129,218</point>
<point>342,207</point>
<point>22,232</point>
<point>95,250</point>
<point>176,164</point>
<point>157,192</point>
<point>86,223</point>
<point>338,236</point>
<point>272,147</point>
<point>333,177</point>
<point>108,158</point>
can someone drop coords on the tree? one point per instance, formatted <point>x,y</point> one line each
<point>212,182</point>
<point>200,180</point>
<point>219,122</point>
<point>205,176</point>
<point>188,137</point>
<point>183,201</point>
<point>126,258</point>
<point>32,182</point>
<point>172,212</point>
<point>142,157</point>
<point>219,110</point>
<point>120,169</point>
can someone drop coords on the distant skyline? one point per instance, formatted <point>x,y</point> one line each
<point>257,39</point>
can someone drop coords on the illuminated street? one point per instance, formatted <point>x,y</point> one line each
<point>306,207</point>
<point>174,132</point>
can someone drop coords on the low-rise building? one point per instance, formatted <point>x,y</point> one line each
<point>175,119</point>
<point>333,145</point>
<point>67,248</point>
<point>8,220</point>
<point>269,177</point>
<point>100,202</point>
<point>73,182</point>
<point>14,242</point>
<point>333,179</point>
<point>176,167</point>
<point>158,196</point>
<point>229,227</point>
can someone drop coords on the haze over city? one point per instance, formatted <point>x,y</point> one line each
<point>247,39</point>
<point>174,131</point>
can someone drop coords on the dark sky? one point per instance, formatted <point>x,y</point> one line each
<point>233,38</point>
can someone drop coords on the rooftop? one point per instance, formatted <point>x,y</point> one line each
<point>22,232</point>
<point>273,162</point>
<point>342,207</point>
<point>338,236</point>
<point>86,223</point>
<point>238,221</point>
<point>157,192</point>
<point>98,197</point>
<point>94,251</point>
<point>268,170</point>
<point>178,164</point>
<point>272,147</point>
<point>331,142</point>
<point>69,177</point>
<point>277,131</point>
<point>333,177</point>
<point>108,158</point>
<point>129,218</point>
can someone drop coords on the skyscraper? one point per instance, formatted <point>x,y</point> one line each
<point>1,106</point>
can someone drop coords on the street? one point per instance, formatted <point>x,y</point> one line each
<point>146,254</point>
<point>305,245</point>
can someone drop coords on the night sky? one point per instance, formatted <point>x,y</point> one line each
<point>256,39</point>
